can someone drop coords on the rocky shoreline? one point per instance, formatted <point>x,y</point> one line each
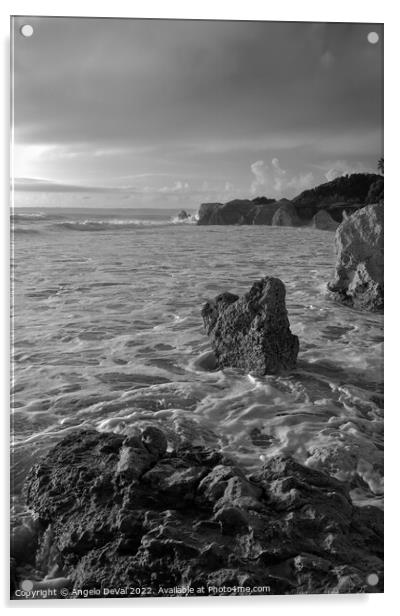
<point>130,512</point>
<point>333,200</point>
<point>358,280</point>
<point>135,512</point>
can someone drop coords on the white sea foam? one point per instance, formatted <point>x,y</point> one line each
<point>108,334</point>
<point>104,225</point>
<point>190,220</point>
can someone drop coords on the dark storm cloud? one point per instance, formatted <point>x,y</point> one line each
<point>196,95</point>
<point>90,80</point>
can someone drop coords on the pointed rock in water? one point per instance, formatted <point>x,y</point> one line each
<point>358,280</point>
<point>183,215</point>
<point>252,332</point>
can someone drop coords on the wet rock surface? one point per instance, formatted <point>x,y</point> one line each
<point>323,220</point>
<point>264,213</point>
<point>252,332</point>
<point>358,280</point>
<point>286,215</point>
<point>192,518</point>
<point>259,211</point>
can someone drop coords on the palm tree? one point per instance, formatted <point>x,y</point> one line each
<point>380,165</point>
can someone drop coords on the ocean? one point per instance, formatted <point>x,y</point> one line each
<point>107,333</point>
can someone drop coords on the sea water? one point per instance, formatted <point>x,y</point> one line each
<point>107,334</point>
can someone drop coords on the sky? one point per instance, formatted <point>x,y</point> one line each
<point>163,113</point>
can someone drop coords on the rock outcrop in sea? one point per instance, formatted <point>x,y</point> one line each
<point>128,512</point>
<point>264,214</point>
<point>339,197</point>
<point>285,215</point>
<point>238,212</point>
<point>358,280</point>
<point>252,332</point>
<point>322,220</point>
<point>183,215</point>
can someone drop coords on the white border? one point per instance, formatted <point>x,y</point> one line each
<point>289,10</point>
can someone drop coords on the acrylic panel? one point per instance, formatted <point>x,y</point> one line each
<point>197,308</point>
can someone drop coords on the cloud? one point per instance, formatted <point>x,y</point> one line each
<point>260,171</point>
<point>178,187</point>
<point>178,191</point>
<point>40,185</point>
<point>351,143</point>
<point>301,182</point>
<point>342,167</point>
<point>169,110</point>
<point>274,180</point>
<point>149,78</point>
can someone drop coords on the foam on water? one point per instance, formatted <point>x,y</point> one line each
<point>190,220</point>
<point>102,225</point>
<point>108,334</point>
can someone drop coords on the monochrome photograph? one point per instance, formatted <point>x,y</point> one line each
<point>197,296</point>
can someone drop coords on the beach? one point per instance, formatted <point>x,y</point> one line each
<point>107,334</point>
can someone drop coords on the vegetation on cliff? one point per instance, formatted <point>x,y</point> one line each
<point>344,194</point>
<point>351,188</point>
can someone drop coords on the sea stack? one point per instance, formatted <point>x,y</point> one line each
<point>358,280</point>
<point>286,215</point>
<point>252,332</point>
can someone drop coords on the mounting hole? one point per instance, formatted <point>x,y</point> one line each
<point>373,38</point>
<point>26,30</point>
<point>27,585</point>
<point>372,579</point>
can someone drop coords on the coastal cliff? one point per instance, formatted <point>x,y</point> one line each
<point>237,212</point>
<point>339,197</point>
<point>286,215</point>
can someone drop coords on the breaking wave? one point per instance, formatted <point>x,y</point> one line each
<point>27,217</point>
<point>118,339</point>
<point>57,220</point>
<point>190,220</point>
<point>104,225</point>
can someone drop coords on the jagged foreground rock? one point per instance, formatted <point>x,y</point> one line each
<point>358,280</point>
<point>252,332</point>
<point>121,511</point>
